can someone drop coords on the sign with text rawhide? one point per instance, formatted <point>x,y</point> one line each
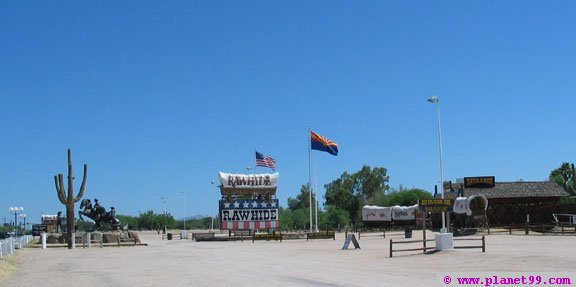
<point>248,184</point>
<point>251,181</point>
<point>436,205</point>
<point>479,182</point>
<point>249,214</point>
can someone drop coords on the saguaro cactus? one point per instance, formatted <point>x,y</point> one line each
<point>68,199</point>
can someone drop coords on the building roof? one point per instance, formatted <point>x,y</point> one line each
<point>520,189</point>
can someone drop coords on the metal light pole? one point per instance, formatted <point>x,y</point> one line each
<point>16,211</point>
<point>212,215</point>
<point>435,100</point>
<point>184,194</point>
<point>164,202</point>
<point>184,233</point>
<point>23,215</point>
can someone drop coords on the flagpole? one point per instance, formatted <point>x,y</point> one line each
<point>310,175</point>
<point>255,164</point>
<point>316,189</point>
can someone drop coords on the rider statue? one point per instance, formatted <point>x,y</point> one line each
<point>98,214</point>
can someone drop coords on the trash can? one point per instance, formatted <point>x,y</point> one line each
<point>169,236</point>
<point>408,233</point>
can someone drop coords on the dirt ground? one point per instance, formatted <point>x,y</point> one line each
<point>319,262</point>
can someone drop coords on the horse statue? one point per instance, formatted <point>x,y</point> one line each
<point>98,214</point>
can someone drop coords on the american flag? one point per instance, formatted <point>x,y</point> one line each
<point>265,161</point>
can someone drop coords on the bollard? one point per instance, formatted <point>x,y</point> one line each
<point>73,240</point>
<point>89,239</point>
<point>43,239</point>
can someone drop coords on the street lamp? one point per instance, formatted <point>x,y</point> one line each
<point>23,215</point>
<point>435,100</point>
<point>16,211</point>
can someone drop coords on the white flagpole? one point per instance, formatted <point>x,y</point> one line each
<point>310,175</point>
<point>316,190</point>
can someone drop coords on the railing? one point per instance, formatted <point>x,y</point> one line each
<point>267,236</point>
<point>483,246</point>
<point>321,235</point>
<point>170,236</point>
<point>381,233</point>
<point>542,229</point>
<point>10,245</point>
<point>424,248</point>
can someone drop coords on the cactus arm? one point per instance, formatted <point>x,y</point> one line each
<point>81,192</point>
<point>59,190</point>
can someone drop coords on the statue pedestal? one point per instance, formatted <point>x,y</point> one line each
<point>444,241</point>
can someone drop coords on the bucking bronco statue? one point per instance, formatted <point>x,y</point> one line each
<point>98,214</point>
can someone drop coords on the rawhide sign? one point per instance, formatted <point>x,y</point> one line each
<point>248,184</point>
<point>248,201</point>
<point>249,214</point>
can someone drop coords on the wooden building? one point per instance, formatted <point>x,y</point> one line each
<point>510,203</point>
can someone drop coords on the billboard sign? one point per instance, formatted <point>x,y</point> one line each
<point>436,205</point>
<point>249,214</point>
<point>479,182</point>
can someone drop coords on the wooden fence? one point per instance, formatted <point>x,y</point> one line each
<point>267,236</point>
<point>321,235</point>
<point>425,248</point>
<point>525,229</point>
<point>381,233</point>
<point>483,246</point>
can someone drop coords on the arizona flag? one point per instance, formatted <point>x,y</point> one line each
<point>321,143</point>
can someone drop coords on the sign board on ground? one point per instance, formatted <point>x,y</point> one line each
<point>37,229</point>
<point>351,238</point>
<point>436,205</point>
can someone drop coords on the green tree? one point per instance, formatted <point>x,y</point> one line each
<point>333,218</point>
<point>565,176</point>
<point>302,200</point>
<point>371,183</point>
<point>146,220</point>
<point>164,221</point>
<point>150,221</point>
<point>406,197</point>
<point>351,191</point>
<point>286,218</point>
<point>130,221</point>
<point>302,218</point>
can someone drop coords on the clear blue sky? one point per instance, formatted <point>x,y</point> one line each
<point>158,97</point>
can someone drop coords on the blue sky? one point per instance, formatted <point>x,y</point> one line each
<point>158,97</point>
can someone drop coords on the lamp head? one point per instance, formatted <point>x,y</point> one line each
<point>433,99</point>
